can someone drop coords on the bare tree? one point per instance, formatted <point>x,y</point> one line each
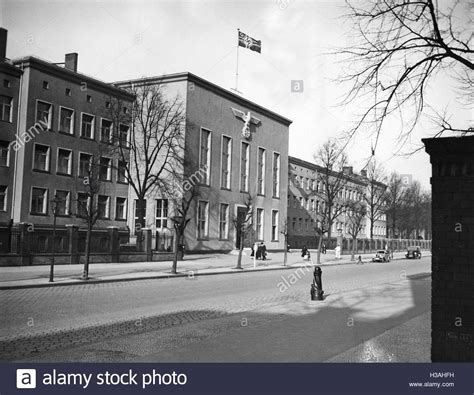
<point>332,160</point>
<point>356,212</point>
<point>393,202</point>
<point>242,222</point>
<point>152,154</point>
<point>285,233</point>
<point>375,194</point>
<point>399,46</point>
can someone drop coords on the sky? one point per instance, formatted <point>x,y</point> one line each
<point>119,40</point>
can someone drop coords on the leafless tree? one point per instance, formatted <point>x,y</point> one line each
<point>285,234</point>
<point>394,198</point>
<point>356,212</point>
<point>398,47</point>
<point>152,154</point>
<point>242,223</point>
<point>375,194</point>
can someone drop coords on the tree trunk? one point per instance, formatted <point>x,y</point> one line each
<point>85,273</point>
<point>176,251</point>
<point>285,258</point>
<point>241,247</point>
<point>354,243</point>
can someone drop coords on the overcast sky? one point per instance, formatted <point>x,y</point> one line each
<point>130,39</point>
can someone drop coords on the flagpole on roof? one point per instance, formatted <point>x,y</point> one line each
<point>237,66</point>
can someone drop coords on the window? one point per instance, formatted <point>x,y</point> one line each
<point>138,215</point>
<point>226,161</point>
<point>122,172</point>
<point>259,229</point>
<point>106,131</point>
<point>63,207</point>
<point>306,223</point>
<point>64,161</point>
<point>294,224</point>
<point>224,221</point>
<point>105,169</point>
<point>89,98</point>
<point>45,85</point>
<point>205,154</point>
<point>6,83</point>
<point>317,206</point>
<point>85,162</point>
<point>244,167</point>
<point>295,202</point>
<point>203,219</point>
<point>41,157</point>
<point>313,206</point>
<point>276,175</point>
<point>161,213</point>
<point>39,200</point>
<point>274,225</point>
<point>87,126</point>
<point>301,224</point>
<point>66,120</point>
<point>3,197</point>
<point>261,171</point>
<point>123,135</point>
<point>82,204</point>
<point>121,208</point>
<point>4,153</point>
<point>308,207</point>
<point>68,92</point>
<point>107,104</point>
<point>301,202</point>
<point>103,206</point>
<point>313,185</point>
<point>5,108</point>
<point>44,113</point>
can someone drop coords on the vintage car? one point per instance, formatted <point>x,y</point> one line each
<point>413,252</point>
<point>382,256</point>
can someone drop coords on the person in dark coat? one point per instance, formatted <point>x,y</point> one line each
<point>304,251</point>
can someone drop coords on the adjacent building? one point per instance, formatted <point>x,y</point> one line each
<point>238,148</point>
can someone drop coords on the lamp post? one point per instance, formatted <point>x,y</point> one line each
<point>54,205</point>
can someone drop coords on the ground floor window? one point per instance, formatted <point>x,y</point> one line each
<point>203,219</point>
<point>161,213</point>
<point>274,225</point>
<point>224,221</point>
<point>259,229</point>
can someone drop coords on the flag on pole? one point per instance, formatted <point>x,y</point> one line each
<point>249,42</point>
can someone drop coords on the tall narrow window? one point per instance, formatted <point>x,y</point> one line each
<point>122,172</point>
<point>85,162</point>
<point>226,161</point>
<point>261,171</point>
<point>121,208</point>
<point>161,213</point>
<point>105,173</point>
<point>3,197</point>
<point>41,157</point>
<point>276,175</point>
<point>205,154</point>
<point>203,219</point>
<point>4,152</point>
<point>5,108</point>
<point>274,225</point>
<point>244,167</point>
<point>106,131</point>
<point>123,135</point>
<point>87,126</point>
<point>259,229</point>
<point>83,201</point>
<point>63,206</point>
<point>39,201</point>
<point>224,221</point>
<point>103,206</point>
<point>66,121</point>
<point>64,165</point>
<point>44,113</point>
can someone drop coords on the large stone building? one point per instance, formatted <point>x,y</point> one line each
<point>305,203</point>
<point>236,164</point>
<point>54,121</point>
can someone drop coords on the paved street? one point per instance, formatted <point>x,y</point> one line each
<point>224,317</point>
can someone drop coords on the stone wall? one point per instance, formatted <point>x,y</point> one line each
<point>452,293</point>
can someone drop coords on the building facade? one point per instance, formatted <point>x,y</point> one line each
<point>55,124</point>
<point>305,204</point>
<point>237,162</point>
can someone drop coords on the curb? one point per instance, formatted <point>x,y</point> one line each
<point>196,273</point>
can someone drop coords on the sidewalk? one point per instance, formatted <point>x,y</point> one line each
<point>12,277</point>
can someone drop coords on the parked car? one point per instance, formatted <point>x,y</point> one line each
<point>413,252</point>
<point>382,256</point>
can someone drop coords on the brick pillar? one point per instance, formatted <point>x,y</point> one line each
<point>452,182</point>
<point>73,247</point>
<point>114,243</point>
<point>147,242</point>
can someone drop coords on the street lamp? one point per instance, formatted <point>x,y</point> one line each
<point>55,206</point>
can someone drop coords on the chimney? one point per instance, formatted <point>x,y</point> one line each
<point>363,173</point>
<point>347,170</point>
<point>3,43</point>
<point>71,61</point>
